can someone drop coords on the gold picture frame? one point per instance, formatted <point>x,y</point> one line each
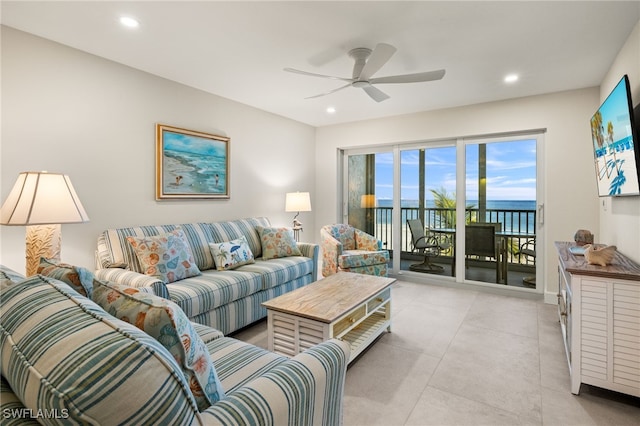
<point>191,164</point>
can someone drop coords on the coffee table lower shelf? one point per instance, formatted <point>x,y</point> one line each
<point>291,334</point>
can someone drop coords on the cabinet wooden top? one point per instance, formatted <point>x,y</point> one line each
<point>621,266</point>
<point>329,298</point>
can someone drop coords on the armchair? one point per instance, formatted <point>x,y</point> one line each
<point>345,248</point>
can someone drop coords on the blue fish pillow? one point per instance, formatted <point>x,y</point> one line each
<point>231,254</point>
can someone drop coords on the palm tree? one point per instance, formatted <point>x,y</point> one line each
<point>447,202</point>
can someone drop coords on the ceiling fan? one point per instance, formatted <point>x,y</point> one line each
<point>367,63</point>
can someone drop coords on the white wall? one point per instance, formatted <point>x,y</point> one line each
<point>70,112</point>
<point>620,216</point>
<point>571,200</point>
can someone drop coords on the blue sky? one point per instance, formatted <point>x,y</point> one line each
<point>511,171</point>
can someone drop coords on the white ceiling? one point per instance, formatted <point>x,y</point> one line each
<point>238,49</point>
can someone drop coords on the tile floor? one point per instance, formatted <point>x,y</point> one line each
<point>461,357</point>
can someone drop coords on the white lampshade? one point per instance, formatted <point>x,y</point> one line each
<point>41,198</point>
<point>42,201</point>
<point>297,202</point>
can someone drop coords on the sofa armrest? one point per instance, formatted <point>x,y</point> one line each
<point>366,241</point>
<point>305,390</point>
<point>134,279</point>
<point>12,411</point>
<point>331,249</point>
<point>309,250</point>
<point>312,251</point>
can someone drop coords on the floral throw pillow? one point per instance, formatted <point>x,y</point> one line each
<point>79,278</point>
<point>231,254</point>
<point>167,257</point>
<point>163,320</point>
<point>277,242</point>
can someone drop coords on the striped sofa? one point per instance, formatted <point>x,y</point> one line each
<point>226,300</point>
<point>64,360</point>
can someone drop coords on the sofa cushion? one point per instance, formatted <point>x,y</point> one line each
<point>212,289</point>
<point>5,281</point>
<point>167,257</point>
<point>278,271</point>
<point>231,230</point>
<point>11,274</point>
<point>114,249</point>
<point>13,411</point>
<point>8,277</point>
<point>206,333</point>
<point>277,242</point>
<point>359,258</point>
<point>167,323</point>
<point>231,254</point>
<point>238,362</point>
<point>61,351</point>
<point>79,278</point>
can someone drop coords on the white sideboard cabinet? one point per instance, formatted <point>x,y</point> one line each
<point>599,310</point>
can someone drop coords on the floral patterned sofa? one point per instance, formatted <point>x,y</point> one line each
<point>345,248</point>
<point>254,262</point>
<point>78,350</point>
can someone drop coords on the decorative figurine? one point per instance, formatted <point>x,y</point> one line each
<point>583,237</point>
<point>599,256</point>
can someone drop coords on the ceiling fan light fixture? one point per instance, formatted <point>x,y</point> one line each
<point>367,62</point>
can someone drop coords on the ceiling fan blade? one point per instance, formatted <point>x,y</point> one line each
<point>295,71</point>
<point>410,78</point>
<point>329,92</point>
<point>375,93</point>
<point>380,55</point>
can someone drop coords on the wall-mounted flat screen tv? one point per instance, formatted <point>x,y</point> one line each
<point>616,145</point>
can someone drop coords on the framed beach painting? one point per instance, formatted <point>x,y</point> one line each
<point>191,164</point>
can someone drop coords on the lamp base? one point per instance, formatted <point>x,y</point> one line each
<point>42,241</point>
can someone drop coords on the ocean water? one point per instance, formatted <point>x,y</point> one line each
<point>189,173</point>
<point>491,204</point>
<point>515,215</point>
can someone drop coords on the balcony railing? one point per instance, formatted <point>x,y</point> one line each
<point>518,227</point>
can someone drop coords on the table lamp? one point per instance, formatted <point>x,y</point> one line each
<point>42,201</point>
<point>297,202</point>
<point>368,201</point>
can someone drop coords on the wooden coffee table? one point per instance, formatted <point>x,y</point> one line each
<point>351,307</point>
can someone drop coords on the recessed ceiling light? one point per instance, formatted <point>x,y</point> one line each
<point>129,22</point>
<point>331,110</point>
<point>511,78</point>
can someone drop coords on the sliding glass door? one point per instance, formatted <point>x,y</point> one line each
<point>427,208</point>
<point>368,192</point>
<point>464,210</point>
<point>501,209</point>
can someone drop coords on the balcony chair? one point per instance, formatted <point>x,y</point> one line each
<point>426,245</point>
<point>480,240</point>
<point>528,250</point>
<point>345,248</point>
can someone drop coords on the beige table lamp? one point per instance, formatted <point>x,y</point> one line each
<point>42,201</point>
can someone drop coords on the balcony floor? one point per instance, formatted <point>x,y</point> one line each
<point>475,273</point>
